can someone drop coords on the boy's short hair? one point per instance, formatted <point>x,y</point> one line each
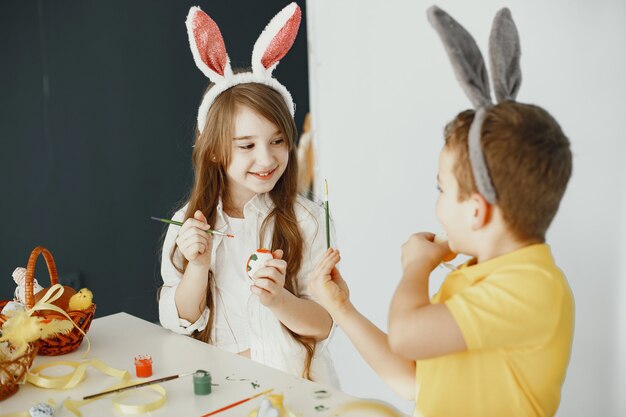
<point>529,161</point>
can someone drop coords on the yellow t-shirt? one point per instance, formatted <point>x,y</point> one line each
<point>516,313</point>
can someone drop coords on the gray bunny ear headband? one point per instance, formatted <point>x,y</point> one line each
<point>469,68</point>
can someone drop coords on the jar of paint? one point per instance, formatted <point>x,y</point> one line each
<point>143,366</point>
<point>201,382</point>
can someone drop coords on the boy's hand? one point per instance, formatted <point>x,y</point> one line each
<point>194,242</point>
<point>422,250</point>
<point>328,286</point>
<point>269,281</point>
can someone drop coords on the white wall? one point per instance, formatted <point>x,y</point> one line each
<point>619,387</point>
<point>382,90</point>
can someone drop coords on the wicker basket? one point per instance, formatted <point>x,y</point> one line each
<point>12,372</point>
<point>63,343</point>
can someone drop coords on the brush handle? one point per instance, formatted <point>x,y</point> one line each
<point>143,384</point>
<point>229,406</point>
<point>174,222</point>
<point>327,214</point>
<point>327,224</point>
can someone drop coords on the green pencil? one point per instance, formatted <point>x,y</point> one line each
<point>327,216</point>
<point>210,231</point>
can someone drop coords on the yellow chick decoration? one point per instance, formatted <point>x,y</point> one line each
<point>21,329</point>
<point>82,300</point>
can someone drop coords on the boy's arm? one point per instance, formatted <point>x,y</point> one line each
<point>417,328</point>
<point>372,344</point>
<point>332,293</point>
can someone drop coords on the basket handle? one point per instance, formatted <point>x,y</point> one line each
<point>30,273</point>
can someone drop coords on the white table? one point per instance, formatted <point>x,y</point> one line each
<point>116,339</point>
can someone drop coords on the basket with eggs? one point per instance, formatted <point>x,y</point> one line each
<point>57,305</point>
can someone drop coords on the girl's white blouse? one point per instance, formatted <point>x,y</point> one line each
<point>241,321</point>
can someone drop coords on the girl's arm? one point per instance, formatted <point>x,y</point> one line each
<point>195,245</point>
<point>190,295</point>
<point>169,315</point>
<point>332,292</point>
<point>301,316</point>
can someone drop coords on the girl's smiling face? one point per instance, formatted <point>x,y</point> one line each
<point>259,156</point>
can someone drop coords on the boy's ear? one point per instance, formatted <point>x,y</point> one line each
<point>481,211</point>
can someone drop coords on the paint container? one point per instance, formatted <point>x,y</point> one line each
<point>143,366</point>
<point>201,382</point>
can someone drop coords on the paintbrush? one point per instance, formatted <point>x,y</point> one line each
<point>141,384</point>
<point>229,406</point>
<point>210,231</point>
<point>327,215</point>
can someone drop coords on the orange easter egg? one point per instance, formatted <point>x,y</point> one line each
<point>61,302</point>
<point>257,261</point>
<point>442,237</point>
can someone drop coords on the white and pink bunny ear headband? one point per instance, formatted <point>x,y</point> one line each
<point>209,53</point>
<point>469,68</point>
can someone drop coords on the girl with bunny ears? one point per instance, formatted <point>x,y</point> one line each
<point>245,184</point>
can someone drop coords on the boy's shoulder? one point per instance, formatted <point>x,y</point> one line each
<point>535,256</point>
<point>531,269</point>
<point>516,268</point>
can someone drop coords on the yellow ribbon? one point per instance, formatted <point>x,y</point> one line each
<point>72,379</point>
<point>45,304</point>
<point>119,405</point>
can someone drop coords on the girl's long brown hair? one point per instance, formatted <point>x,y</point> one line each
<point>211,157</point>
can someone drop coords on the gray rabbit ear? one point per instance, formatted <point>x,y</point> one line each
<point>504,56</point>
<point>467,61</point>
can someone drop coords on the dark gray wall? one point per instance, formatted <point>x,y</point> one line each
<point>98,101</point>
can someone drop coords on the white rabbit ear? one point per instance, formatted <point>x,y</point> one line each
<point>276,40</point>
<point>207,45</point>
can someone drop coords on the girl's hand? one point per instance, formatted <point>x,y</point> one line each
<point>422,250</point>
<point>269,281</point>
<point>194,242</point>
<point>327,285</point>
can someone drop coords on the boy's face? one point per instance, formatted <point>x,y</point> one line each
<point>454,215</point>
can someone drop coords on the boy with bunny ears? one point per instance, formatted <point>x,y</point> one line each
<point>496,338</point>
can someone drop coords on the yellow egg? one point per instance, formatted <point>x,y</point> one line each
<point>441,237</point>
